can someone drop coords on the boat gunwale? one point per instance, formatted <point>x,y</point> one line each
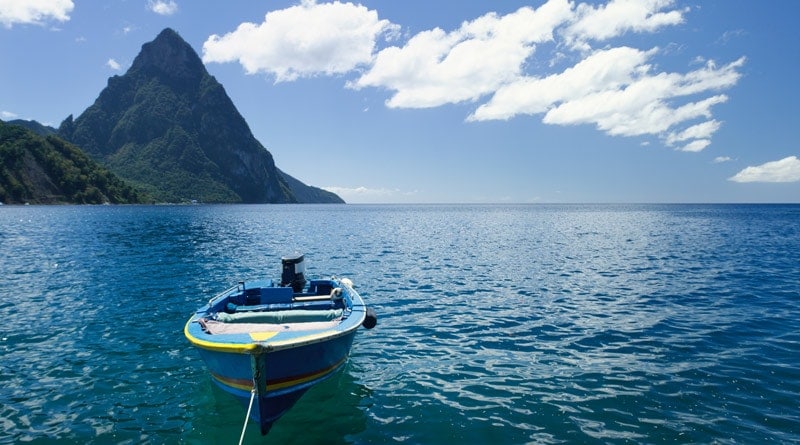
<point>258,347</point>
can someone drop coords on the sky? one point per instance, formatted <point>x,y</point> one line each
<point>461,101</point>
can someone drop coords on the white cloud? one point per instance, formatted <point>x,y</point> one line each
<point>113,64</point>
<point>696,145</point>
<point>34,11</point>
<point>721,159</point>
<point>618,17</point>
<point>785,170</point>
<point>8,115</point>
<point>491,61</point>
<point>302,41</point>
<point>602,71</point>
<point>162,7</point>
<point>436,67</point>
<point>699,131</point>
<point>617,91</point>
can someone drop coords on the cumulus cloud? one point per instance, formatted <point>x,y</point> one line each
<point>302,41</point>
<point>696,145</point>
<point>618,17</point>
<point>604,71</point>
<point>721,159</point>
<point>8,115</point>
<point>618,91</point>
<point>34,11</point>
<point>162,7</point>
<point>436,67</point>
<point>113,64</point>
<point>700,131</point>
<point>492,62</point>
<point>785,170</point>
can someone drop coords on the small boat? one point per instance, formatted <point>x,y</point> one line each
<point>268,342</point>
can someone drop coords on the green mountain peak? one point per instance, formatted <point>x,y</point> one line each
<point>168,127</point>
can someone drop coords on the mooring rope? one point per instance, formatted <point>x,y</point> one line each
<point>247,416</point>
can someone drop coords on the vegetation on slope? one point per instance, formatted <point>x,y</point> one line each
<point>48,170</point>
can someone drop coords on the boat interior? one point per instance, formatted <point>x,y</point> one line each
<point>291,303</point>
<point>263,302</point>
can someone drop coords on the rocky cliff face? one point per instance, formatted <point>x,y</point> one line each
<point>170,128</point>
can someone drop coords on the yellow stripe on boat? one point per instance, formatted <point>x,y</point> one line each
<point>246,348</point>
<point>244,385</point>
<point>247,385</point>
<point>241,348</point>
<point>261,336</point>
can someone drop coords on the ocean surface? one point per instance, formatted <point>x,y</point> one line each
<point>505,324</point>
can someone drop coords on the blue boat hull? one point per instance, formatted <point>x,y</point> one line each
<point>267,345</point>
<point>289,373</point>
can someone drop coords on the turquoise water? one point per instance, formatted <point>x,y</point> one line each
<point>497,324</point>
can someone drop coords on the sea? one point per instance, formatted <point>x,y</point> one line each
<point>497,324</point>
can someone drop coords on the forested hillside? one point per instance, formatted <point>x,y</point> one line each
<point>48,170</point>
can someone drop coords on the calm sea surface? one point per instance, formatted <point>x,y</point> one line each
<point>497,324</point>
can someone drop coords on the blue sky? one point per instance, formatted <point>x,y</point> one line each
<point>461,101</point>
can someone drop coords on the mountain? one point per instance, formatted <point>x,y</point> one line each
<point>36,127</point>
<point>168,127</point>
<point>39,169</point>
<point>306,193</point>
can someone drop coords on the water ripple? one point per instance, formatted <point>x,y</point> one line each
<point>498,324</point>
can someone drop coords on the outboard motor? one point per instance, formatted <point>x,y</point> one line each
<point>371,319</point>
<point>293,269</point>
